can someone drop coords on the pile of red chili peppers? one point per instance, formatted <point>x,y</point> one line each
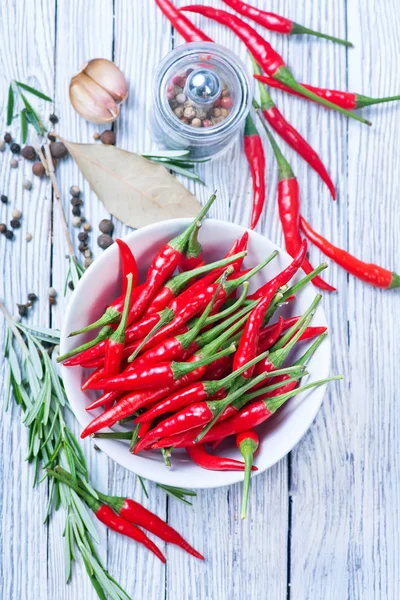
<point>271,70</point>
<point>190,361</point>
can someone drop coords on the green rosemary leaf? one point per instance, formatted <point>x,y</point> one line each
<point>10,105</point>
<point>32,90</point>
<point>32,116</point>
<point>74,442</point>
<point>143,486</point>
<point>44,334</point>
<point>24,125</point>
<point>14,365</point>
<point>52,487</point>
<point>177,493</point>
<point>97,587</point>
<point>35,358</point>
<point>32,379</point>
<point>67,552</point>
<point>33,412</point>
<point>70,460</point>
<point>85,517</point>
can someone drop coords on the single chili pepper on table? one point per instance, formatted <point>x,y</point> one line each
<point>203,459</point>
<point>289,210</point>
<point>248,443</point>
<point>181,23</point>
<point>128,264</point>
<point>277,23</point>
<point>162,266</point>
<point>370,273</point>
<point>271,62</point>
<point>192,257</point>
<point>348,100</point>
<point>254,152</point>
<point>116,342</point>
<point>291,136</point>
<point>108,517</point>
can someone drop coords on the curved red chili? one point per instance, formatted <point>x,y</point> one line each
<point>370,273</point>
<point>128,264</point>
<point>248,443</point>
<point>291,136</point>
<point>108,517</point>
<point>272,63</point>
<point>348,100</point>
<point>181,23</point>
<point>116,342</point>
<point>277,23</point>
<point>254,152</point>
<point>289,210</point>
<point>200,456</point>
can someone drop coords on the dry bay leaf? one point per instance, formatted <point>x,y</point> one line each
<point>133,189</point>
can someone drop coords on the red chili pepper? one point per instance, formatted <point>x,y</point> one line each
<point>272,63</point>
<point>219,368</point>
<point>97,375</point>
<point>196,392</point>
<point>177,284</point>
<point>108,517</point>
<point>254,152</point>
<point>128,264</point>
<point>370,273</point>
<point>276,23</point>
<point>289,210</point>
<point>291,136</point>
<point>285,275</point>
<point>187,305</point>
<point>248,443</point>
<point>116,342</point>
<point>162,266</point>
<point>193,257</point>
<point>181,23</point>
<point>348,100</point>
<point>200,456</point>
<point>269,340</point>
<point>86,351</point>
<point>106,399</point>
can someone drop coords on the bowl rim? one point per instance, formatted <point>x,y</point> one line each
<point>112,448</point>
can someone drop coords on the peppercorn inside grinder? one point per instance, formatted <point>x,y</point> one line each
<point>202,94</point>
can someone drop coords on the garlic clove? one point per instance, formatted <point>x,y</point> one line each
<point>108,75</point>
<point>91,101</point>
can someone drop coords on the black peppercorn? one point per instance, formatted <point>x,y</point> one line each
<point>53,118</point>
<point>9,234</point>
<point>15,148</point>
<point>3,227</point>
<point>32,297</point>
<point>71,285</point>
<point>15,223</point>
<point>82,236</point>
<point>7,138</point>
<point>58,150</point>
<point>106,226</point>
<point>76,211</point>
<point>22,310</point>
<point>104,240</point>
<point>38,169</point>
<point>82,246</point>
<point>51,136</point>
<point>76,201</point>
<point>4,199</point>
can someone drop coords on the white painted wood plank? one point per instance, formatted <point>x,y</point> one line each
<point>27,55</point>
<point>84,31</point>
<point>344,478</point>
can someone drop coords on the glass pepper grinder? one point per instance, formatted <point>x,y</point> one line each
<point>202,94</point>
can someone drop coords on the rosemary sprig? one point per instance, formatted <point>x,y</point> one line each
<point>34,383</point>
<point>27,114</point>
<point>178,161</point>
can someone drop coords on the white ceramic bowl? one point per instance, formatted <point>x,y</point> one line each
<point>100,285</point>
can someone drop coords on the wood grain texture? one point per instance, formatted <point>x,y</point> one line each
<point>324,522</point>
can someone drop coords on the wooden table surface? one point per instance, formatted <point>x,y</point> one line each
<point>324,522</point>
